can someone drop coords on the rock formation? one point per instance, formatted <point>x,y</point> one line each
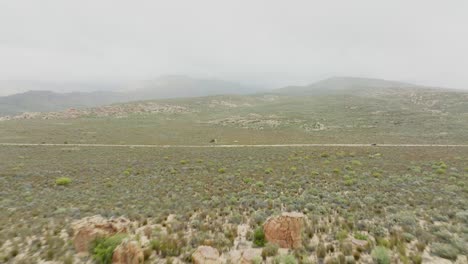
<point>129,252</point>
<point>284,230</point>
<point>88,229</point>
<point>206,255</point>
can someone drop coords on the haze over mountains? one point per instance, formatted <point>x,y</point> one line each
<point>343,85</point>
<point>173,86</point>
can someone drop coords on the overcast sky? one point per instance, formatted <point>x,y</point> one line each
<point>270,43</point>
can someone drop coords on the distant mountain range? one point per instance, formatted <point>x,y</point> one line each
<point>179,86</point>
<point>173,86</point>
<point>344,85</point>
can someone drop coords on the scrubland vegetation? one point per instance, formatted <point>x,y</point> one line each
<point>362,205</point>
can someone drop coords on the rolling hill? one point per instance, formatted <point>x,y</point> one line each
<point>345,85</point>
<point>165,87</point>
<point>384,113</point>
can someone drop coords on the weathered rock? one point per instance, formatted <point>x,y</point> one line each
<point>284,230</point>
<point>206,255</point>
<point>249,256</point>
<point>129,252</point>
<point>461,260</point>
<point>360,243</point>
<point>87,229</point>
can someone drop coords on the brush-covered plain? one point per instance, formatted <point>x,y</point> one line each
<point>407,203</point>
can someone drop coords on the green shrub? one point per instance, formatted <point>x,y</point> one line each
<point>380,255</point>
<point>103,248</point>
<point>269,250</point>
<point>444,250</point>
<point>289,259</point>
<point>166,246</point>
<point>321,251</point>
<point>259,237</point>
<point>285,259</point>
<point>349,181</point>
<point>360,236</point>
<point>68,259</point>
<point>63,181</point>
<point>462,216</point>
<point>247,180</point>
<point>416,259</point>
<point>257,260</point>
<point>342,234</point>
<point>221,170</point>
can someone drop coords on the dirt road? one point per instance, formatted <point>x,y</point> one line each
<point>229,146</point>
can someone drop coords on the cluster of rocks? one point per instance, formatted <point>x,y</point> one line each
<point>284,230</point>
<point>251,121</point>
<point>216,103</point>
<point>120,110</point>
<point>317,126</point>
<point>86,230</point>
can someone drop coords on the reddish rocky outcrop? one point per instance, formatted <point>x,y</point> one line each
<point>88,229</point>
<point>129,252</point>
<point>284,230</point>
<point>206,255</point>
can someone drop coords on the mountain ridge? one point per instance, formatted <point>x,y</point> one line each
<point>171,86</point>
<point>179,86</point>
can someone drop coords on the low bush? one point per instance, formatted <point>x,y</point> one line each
<point>63,181</point>
<point>269,250</point>
<point>259,237</point>
<point>443,250</point>
<point>380,255</point>
<point>285,259</point>
<point>360,236</point>
<point>103,248</point>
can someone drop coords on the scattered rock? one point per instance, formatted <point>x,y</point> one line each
<point>206,255</point>
<point>87,229</point>
<point>249,256</point>
<point>285,230</point>
<point>360,243</point>
<point>116,110</point>
<point>129,252</point>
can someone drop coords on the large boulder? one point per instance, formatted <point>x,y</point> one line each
<point>285,230</point>
<point>129,252</point>
<point>206,255</point>
<point>88,229</point>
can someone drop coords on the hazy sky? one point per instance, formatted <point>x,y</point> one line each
<point>269,42</point>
